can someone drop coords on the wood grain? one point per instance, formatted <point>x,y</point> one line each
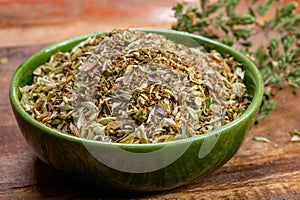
<point>258,171</point>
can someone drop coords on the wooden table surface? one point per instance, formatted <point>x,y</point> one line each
<point>259,170</point>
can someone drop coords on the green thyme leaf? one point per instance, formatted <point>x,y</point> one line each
<point>264,7</point>
<point>277,56</point>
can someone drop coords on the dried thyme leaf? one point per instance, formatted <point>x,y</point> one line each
<point>261,139</point>
<point>295,134</point>
<point>133,87</point>
<point>3,60</point>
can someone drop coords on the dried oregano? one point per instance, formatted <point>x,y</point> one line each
<point>134,87</point>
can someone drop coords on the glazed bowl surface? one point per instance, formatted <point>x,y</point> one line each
<point>136,167</point>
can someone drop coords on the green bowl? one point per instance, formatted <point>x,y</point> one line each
<point>136,167</point>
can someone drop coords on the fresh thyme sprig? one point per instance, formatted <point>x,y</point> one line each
<point>276,24</point>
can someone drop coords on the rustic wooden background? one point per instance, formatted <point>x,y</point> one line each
<point>258,171</point>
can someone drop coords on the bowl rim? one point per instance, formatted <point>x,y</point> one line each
<point>252,108</point>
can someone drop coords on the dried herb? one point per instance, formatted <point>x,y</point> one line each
<point>277,57</point>
<point>3,60</point>
<point>133,87</point>
<point>295,135</point>
<point>261,139</point>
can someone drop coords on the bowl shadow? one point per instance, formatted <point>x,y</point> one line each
<point>52,183</point>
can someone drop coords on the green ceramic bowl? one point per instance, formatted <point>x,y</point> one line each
<point>136,167</point>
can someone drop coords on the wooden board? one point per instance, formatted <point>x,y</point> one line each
<point>258,171</point>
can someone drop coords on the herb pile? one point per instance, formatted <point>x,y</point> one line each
<point>133,87</point>
<point>274,23</point>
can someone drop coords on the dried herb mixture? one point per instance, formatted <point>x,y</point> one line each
<point>134,87</point>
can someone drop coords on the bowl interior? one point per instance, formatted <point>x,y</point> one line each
<point>24,74</point>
